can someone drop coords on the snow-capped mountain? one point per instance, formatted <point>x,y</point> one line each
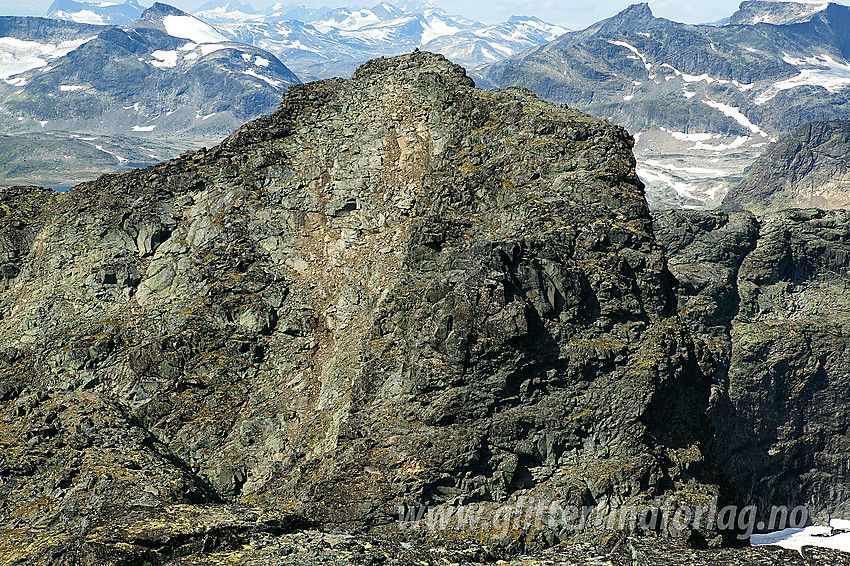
<point>334,42</point>
<point>168,75</point>
<point>95,12</point>
<point>158,72</point>
<point>229,12</point>
<point>702,101</point>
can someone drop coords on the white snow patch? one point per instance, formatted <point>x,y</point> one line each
<point>166,59</point>
<point>252,73</point>
<point>840,524</point>
<point>143,128</point>
<point>694,137</point>
<point>822,71</point>
<point>735,114</point>
<point>691,170</point>
<point>118,157</point>
<point>634,50</point>
<point>688,94</point>
<point>193,29</point>
<point>43,122</point>
<point>17,81</point>
<point>18,56</point>
<point>189,46</point>
<point>796,539</point>
<point>208,48</point>
<point>261,61</point>
<point>736,143</point>
<point>682,189</point>
<point>70,88</point>
<point>84,17</point>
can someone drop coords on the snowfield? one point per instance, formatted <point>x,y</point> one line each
<point>191,28</point>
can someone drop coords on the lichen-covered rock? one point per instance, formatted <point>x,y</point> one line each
<point>397,290</point>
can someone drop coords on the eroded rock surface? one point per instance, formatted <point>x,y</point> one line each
<point>397,290</point>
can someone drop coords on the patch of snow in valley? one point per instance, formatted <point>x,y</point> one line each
<point>692,170</point>
<point>682,189</point>
<point>736,143</point>
<point>143,128</point>
<point>118,157</point>
<point>70,88</point>
<point>694,137</point>
<point>191,28</point>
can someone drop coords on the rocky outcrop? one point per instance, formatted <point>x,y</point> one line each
<point>807,168</point>
<point>769,297</point>
<point>396,290</point>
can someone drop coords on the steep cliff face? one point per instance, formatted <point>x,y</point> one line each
<point>770,298</point>
<point>396,290</point>
<point>805,168</point>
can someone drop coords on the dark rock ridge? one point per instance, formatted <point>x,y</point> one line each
<point>396,290</point>
<point>808,167</point>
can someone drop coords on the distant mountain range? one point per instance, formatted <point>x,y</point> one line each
<point>702,100</point>
<point>324,42</point>
<point>166,76</point>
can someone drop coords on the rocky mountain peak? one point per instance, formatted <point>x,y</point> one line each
<point>396,290</point>
<point>413,65</point>
<point>775,12</point>
<point>632,17</point>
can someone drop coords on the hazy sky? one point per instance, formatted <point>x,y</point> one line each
<point>572,13</point>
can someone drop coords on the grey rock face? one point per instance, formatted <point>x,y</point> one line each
<point>807,168</point>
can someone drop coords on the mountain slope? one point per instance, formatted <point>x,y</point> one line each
<point>807,168</point>
<point>399,290</point>
<point>693,94</point>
